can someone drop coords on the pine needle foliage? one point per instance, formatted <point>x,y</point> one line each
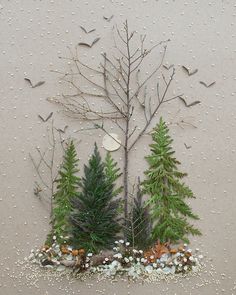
<point>93,220</point>
<point>67,188</point>
<point>112,173</point>
<point>139,226</point>
<point>167,193</point>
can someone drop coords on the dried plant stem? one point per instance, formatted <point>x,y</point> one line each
<point>47,160</point>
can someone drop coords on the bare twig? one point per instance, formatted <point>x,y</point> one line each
<point>47,160</point>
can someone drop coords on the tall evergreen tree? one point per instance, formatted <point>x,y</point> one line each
<point>167,193</point>
<point>93,220</point>
<point>67,188</point>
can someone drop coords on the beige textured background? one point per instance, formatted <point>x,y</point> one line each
<point>202,33</point>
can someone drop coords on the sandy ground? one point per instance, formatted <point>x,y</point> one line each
<point>33,35</point>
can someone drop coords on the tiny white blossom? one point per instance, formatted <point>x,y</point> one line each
<point>185,267</point>
<point>154,265</point>
<point>191,258</point>
<point>121,241</point>
<point>126,260</point>
<point>131,258</point>
<point>90,254</point>
<point>86,265</point>
<point>141,251</point>
<point>180,265</point>
<point>117,255</point>
<point>151,257</point>
<point>106,259</point>
<point>200,256</point>
<point>127,243</point>
<point>116,242</point>
<point>144,260</point>
<point>54,237</point>
<point>185,259</point>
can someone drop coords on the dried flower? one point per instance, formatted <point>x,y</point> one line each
<point>118,255</point>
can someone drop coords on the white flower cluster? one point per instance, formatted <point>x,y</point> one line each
<point>133,263</point>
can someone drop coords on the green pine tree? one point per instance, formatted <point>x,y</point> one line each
<point>67,188</point>
<point>167,193</point>
<point>112,173</point>
<point>93,220</point>
<point>138,231</point>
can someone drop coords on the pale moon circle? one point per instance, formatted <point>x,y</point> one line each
<point>111,142</point>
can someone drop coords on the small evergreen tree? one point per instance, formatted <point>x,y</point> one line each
<point>167,193</point>
<point>67,188</point>
<point>138,230</point>
<point>112,173</point>
<point>93,219</point>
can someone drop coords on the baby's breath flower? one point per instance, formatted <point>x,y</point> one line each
<point>191,258</point>
<point>117,255</point>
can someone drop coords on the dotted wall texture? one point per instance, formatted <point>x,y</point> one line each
<point>34,35</point>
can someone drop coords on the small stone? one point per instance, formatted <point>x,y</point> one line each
<point>61,268</point>
<point>31,256</point>
<point>67,263</point>
<point>149,269</point>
